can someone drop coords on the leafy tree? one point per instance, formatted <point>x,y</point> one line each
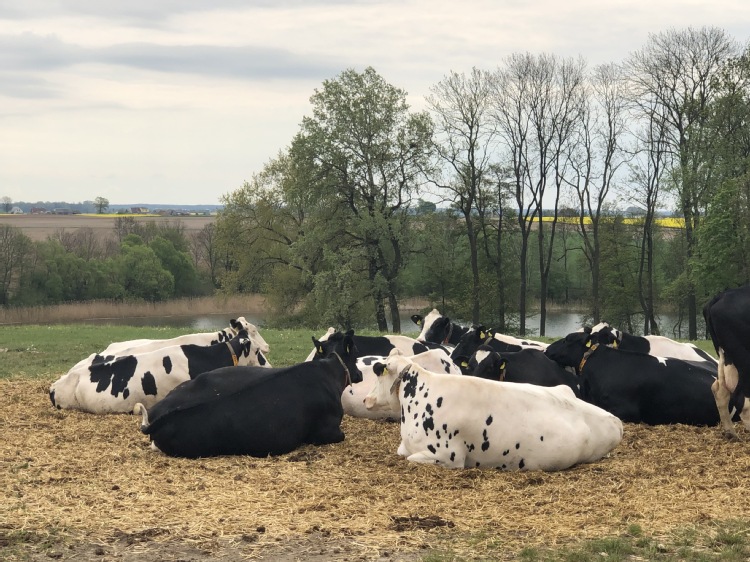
<point>141,273</point>
<point>367,153</point>
<point>7,203</point>
<point>101,204</point>
<point>178,264</point>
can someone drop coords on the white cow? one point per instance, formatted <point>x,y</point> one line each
<point>355,396</point>
<point>118,385</point>
<point>462,422</point>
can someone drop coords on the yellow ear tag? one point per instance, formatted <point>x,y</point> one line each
<point>614,344</point>
<point>464,364</point>
<point>320,349</point>
<point>419,322</point>
<point>503,365</point>
<point>385,370</point>
<point>482,335</point>
<point>588,343</point>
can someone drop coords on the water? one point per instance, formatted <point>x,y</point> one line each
<point>559,324</point>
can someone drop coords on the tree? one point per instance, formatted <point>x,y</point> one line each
<point>679,70</point>
<point>141,273</point>
<point>14,248</point>
<point>366,153</point>
<point>466,137</point>
<point>178,264</point>
<point>101,204</point>
<point>7,203</point>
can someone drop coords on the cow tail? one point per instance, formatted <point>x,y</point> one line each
<point>141,409</point>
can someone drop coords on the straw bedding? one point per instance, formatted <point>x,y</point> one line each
<point>94,477</point>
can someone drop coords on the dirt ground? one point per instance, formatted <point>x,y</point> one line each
<point>39,227</point>
<point>83,487</point>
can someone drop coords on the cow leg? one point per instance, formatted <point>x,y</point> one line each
<point>328,431</point>
<point>722,395</point>
<point>426,457</point>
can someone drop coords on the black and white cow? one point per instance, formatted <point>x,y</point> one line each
<point>727,318</point>
<point>253,411</point>
<point>380,345</point>
<point>117,386</point>
<point>467,422</point>
<point>356,397</point>
<point>478,335</point>
<point>528,365</point>
<point>131,347</point>
<point>637,387</point>
<point>658,346</point>
<point>439,329</point>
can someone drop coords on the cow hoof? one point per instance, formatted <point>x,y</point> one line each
<point>730,435</point>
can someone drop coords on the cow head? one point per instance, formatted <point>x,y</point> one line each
<point>427,323</point>
<point>470,342</point>
<point>343,346</point>
<point>439,331</point>
<point>607,335</point>
<point>382,396</point>
<point>243,349</point>
<point>570,350</point>
<point>486,363</point>
<point>241,324</point>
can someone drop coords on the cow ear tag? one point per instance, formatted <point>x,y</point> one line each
<point>502,365</point>
<point>419,322</point>
<point>614,344</point>
<point>464,364</point>
<point>588,343</point>
<point>482,335</point>
<point>320,350</point>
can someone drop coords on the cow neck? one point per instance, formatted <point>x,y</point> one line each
<point>488,340</point>
<point>348,380</point>
<point>586,356</point>
<point>234,355</point>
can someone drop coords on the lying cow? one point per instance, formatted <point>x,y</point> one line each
<point>356,397</point>
<point>118,385</point>
<point>439,329</point>
<point>528,365</point>
<point>118,349</point>
<point>380,345</point>
<point>466,422</point>
<point>658,346</point>
<point>478,335</point>
<point>253,411</point>
<point>637,387</point>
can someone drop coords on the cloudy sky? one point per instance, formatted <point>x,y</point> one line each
<point>181,101</point>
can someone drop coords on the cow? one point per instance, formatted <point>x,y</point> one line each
<point>727,318</point>
<point>254,411</point>
<point>658,346</point>
<point>117,386</point>
<point>468,422</point>
<point>439,329</point>
<point>637,387</point>
<point>118,349</point>
<point>528,365</point>
<point>478,335</point>
<point>356,397</point>
<point>381,345</point>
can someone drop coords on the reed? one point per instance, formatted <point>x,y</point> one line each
<point>104,310</point>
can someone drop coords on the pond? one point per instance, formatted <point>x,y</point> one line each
<point>559,323</point>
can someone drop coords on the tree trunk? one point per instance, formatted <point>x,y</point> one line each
<point>395,316</point>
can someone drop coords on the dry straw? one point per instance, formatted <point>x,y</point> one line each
<point>95,477</point>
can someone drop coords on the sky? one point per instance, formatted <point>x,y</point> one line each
<point>182,101</point>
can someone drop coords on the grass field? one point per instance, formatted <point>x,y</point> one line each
<point>39,227</point>
<point>83,487</point>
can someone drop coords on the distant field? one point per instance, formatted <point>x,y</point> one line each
<point>39,227</point>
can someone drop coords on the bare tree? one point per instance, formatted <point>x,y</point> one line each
<point>7,203</point>
<point>538,105</point>
<point>205,250</point>
<point>595,160</point>
<point>466,138</point>
<point>15,246</point>
<point>677,69</point>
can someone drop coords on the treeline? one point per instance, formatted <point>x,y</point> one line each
<point>341,224</point>
<point>137,262</point>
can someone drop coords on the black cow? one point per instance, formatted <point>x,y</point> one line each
<point>728,322</point>
<point>380,345</point>
<point>478,335</point>
<point>254,411</point>
<point>528,365</point>
<point>637,387</point>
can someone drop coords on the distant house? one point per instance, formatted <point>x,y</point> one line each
<point>38,210</point>
<point>139,210</point>
<point>16,211</point>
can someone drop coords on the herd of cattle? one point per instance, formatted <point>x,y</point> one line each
<point>525,404</point>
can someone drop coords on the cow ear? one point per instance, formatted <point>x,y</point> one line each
<point>587,330</point>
